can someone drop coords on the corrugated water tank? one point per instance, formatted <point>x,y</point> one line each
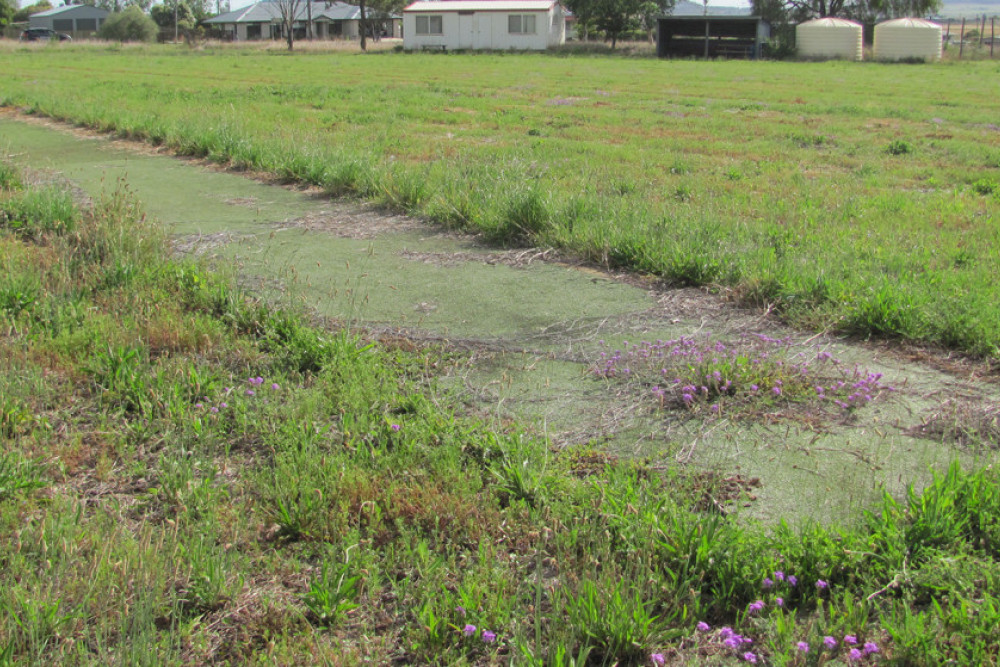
<point>908,39</point>
<point>829,38</point>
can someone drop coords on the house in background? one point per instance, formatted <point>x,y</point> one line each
<point>483,24</point>
<point>262,20</point>
<point>75,20</point>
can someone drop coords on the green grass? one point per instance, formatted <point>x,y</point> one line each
<point>855,197</point>
<point>191,476</point>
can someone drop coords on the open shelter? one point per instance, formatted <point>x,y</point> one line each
<point>712,36</point>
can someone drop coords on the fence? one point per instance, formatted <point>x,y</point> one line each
<point>978,35</point>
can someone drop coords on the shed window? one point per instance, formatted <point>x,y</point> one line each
<point>63,25</point>
<point>86,24</point>
<point>521,24</point>
<point>429,25</point>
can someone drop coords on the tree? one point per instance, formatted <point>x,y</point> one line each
<point>7,9</point>
<point>286,12</point>
<point>615,18</point>
<point>867,11</point>
<point>131,25</point>
<point>374,13</point>
<point>584,12</point>
<point>176,15</point>
<point>22,14</point>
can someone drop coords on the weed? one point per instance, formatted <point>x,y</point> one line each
<point>16,474</point>
<point>985,187</point>
<point>334,593</point>
<point>899,147</point>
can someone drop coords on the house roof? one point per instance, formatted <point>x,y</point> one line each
<point>481,6</point>
<point>269,11</point>
<point>69,8</point>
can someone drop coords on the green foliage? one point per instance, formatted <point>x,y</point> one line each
<point>130,25</point>
<point>37,212</point>
<point>25,13</point>
<point>10,176</point>
<point>333,593</point>
<point>16,474</point>
<point>899,147</point>
<point>616,619</point>
<point>623,196</point>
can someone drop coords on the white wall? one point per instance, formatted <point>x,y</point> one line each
<point>485,30</point>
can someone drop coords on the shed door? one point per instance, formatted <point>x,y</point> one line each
<point>466,29</point>
<point>484,31</point>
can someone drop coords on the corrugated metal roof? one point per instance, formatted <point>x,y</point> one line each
<point>69,8</point>
<point>481,6</point>
<point>266,12</point>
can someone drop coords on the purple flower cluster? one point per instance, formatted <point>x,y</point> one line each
<point>739,645</point>
<point>690,373</point>
<point>849,645</point>
<point>488,636</point>
<point>222,405</point>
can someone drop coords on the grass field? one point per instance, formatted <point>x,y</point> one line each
<point>859,198</point>
<point>191,476</point>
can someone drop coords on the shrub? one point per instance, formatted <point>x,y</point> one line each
<point>899,147</point>
<point>131,25</point>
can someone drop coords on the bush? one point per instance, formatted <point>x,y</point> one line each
<point>131,25</point>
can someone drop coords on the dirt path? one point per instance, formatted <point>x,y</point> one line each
<point>532,326</point>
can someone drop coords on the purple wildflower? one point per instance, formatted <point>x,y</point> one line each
<point>779,602</point>
<point>850,640</point>
<point>820,584</point>
<point>829,642</point>
<point>274,385</point>
<point>703,626</point>
<point>755,607</point>
<point>733,642</point>
<point>726,632</point>
<point>657,659</point>
<point>489,637</point>
<point>223,405</point>
<point>395,427</point>
<point>871,647</point>
<point>213,409</point>
<point>767,583</point>
<point>469,630</point>
<point>793,580</point>
<point>460,609</point>
<point>854,655</point>
<point>198,405</point>
<point>249,392</point>
<point>750,657</point>
<point>779,576</point>
<point>802,646</point>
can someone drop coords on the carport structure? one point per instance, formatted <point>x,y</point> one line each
<point>712,36</point>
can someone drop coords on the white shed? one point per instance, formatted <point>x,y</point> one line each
<point>483,24</point>
<point>829,38</point>
<point>908,39</point>
<point>77,20</point>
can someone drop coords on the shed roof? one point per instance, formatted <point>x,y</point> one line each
<point>438,6</point>
<point>55,11</point>
<point>266,12</point>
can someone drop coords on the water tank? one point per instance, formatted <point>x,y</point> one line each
<point>908,39</point>
<point>829,38</point>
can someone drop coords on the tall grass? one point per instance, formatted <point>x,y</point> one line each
<point>188,475</point>
<point>845,196</point>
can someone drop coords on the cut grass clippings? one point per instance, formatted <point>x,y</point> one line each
<point>191,476</point>
<point>852,197</point>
